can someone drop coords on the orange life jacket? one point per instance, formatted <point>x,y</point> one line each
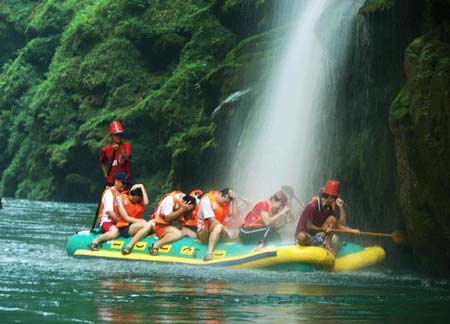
<point>220,211</point>
<point>159,219</point>
<point>194,218</point>
<point>132,209</point>
<point>115,207</point>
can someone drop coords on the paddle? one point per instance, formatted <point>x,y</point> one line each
<point>399,237</point>
<point>94,223</point>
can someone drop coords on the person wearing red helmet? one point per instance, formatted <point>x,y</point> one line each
<point>260,222</point>
<point>115,156</point>
<point>319,218</point>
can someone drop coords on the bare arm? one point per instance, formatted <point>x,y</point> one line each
<point>144,193</point>
<point>268,219</point>
<point>175,214</point>
<point>342,215</point>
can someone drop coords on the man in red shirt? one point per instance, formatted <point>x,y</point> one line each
<point>319,218</point>
<point>115,156</point>
<point>259,226</point>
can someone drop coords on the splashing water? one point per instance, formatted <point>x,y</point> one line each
<point>280,141</point>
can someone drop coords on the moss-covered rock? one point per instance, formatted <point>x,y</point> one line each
<point>85,63</point>
<point>420,118</point>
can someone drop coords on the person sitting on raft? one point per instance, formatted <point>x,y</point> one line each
<point>131,223</point>
<point>114,218</point>
<point>170,215</point>
<point>259,226</point>
<point>192,222</point>
<point>319,218</point>
<point>108,213</point>
<point>215,207</point>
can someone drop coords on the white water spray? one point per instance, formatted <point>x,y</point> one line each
<point>280,141</point>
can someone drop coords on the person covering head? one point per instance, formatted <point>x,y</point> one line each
<point>116,128</point>
<point>281,197</point>
<point>190,200</point>
<point>123,177</point>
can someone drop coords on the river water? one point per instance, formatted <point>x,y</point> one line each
<point>40,283</point>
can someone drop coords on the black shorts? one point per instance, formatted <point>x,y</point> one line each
<point>124,231</point>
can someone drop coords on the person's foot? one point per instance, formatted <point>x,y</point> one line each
<point>126,250</point>
<point>259,247</point>
<point>208,257</point>
<point>93,246</point>
<point>153,250</point>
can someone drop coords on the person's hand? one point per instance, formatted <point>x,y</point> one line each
<point>355,231</point>
<point>327,229</point>
<point>186,206</point>
<point>284,210</point>
<point>339,202</point>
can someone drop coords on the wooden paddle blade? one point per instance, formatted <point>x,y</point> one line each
<point>400,237</point>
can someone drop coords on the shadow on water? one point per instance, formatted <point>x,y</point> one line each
<point>40,283</point>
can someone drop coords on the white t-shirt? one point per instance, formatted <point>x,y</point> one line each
<point>167,205</point>
<point>108,204</point>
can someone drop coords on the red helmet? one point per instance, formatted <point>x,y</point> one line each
<point>332,188</point>
<point>116,128</point>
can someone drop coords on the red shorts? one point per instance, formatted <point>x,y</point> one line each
<point>160,230</point>
<point>106,226</point>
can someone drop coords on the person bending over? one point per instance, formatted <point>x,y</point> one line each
<point>215,208</point>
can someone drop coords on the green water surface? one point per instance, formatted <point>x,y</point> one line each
<point>41,284</point>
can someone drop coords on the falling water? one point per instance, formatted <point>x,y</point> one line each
<point>282,135</point>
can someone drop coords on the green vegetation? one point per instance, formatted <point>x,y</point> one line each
<point>70,67</point>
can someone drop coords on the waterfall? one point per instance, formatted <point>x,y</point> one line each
<point>282,135</point>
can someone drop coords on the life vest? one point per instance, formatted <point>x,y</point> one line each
<point>132,209</point>
<point>176,196</point>
<point>193,220</point>
<point>220,211</point>
<point>254,220</point>
<point>115,207</point>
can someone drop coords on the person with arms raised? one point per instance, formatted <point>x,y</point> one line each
<point>215,208</point>
<point>130,221</point>
<point>260,222</point>
<point>170,215</point>
<point>108,211</point>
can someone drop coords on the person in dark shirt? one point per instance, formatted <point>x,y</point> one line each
<point>319,218</point>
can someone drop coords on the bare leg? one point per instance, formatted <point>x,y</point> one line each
<point>111,234</point>
<point>188,232</point>
<point>303,239</point>
<point>171,234</point>
<point>214,237</point>
<point>142,229</point>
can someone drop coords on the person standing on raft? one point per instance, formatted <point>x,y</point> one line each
<point>115,156</point>
<point>319,218</point>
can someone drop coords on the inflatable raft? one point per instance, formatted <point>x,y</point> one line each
<point>277,256</point>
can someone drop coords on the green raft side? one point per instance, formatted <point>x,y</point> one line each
<point>188,251</point>
<point>279,256</point>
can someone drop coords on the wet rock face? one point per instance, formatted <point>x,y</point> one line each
<point>420,120</point>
